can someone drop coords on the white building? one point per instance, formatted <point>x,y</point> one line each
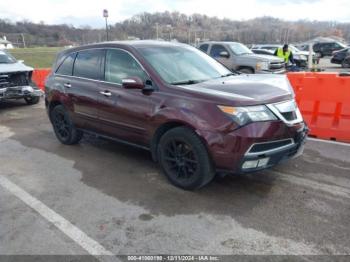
<point>5,44</point>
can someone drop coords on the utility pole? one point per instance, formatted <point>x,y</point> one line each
<point>105,15</point>
<point>170,29</point>
<point>24,43</point>
<point>157,30</point>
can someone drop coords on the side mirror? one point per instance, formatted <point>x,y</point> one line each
<point>224,54</point>
<point>133,83</point>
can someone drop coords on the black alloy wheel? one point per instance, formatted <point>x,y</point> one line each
<point>185,159</point>
<point>64,129</point>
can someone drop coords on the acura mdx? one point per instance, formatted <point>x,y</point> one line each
<point>195,117</point>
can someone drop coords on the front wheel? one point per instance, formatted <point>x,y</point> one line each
<point>345,63</point>
<point>32,100</point>
<point>246,71</point>
<point>64,129</point>
<point>185,159</point>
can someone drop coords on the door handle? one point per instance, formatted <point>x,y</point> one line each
<point>106,93</point>
<point>68,85</point>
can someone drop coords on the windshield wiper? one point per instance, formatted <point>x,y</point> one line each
<point>229,74</point>
<point>186,82</point>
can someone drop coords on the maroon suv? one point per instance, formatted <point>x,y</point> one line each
<point>195,116</point>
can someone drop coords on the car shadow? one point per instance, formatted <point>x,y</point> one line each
<point>129,174</point>
<point>8,104</point>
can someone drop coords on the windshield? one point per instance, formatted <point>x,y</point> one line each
<point>6,58</point>
<point>239,49</point>
<point>183,64</point>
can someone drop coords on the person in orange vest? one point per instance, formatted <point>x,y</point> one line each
<point>285,54</point>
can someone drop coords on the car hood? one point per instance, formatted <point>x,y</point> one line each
<point>245,89</point>
<point>15,67</point>
<point>305,53</point>
<point>258,58</point>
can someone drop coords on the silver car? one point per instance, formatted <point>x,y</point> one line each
<point>16,80</point>
<point>238,57</point>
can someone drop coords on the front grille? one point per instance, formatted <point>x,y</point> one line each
<point>13,79</point>
<point>290,116</point>
<point>268,146</point>
<point>4,81</point>
<point>286,111</point>
<point>276,65</point>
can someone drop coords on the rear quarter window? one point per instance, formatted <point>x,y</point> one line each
<point>88,64</point>
<point>204,48</point>
<point>66,67</point>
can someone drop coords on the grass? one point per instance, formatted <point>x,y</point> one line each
<point>37,57</point>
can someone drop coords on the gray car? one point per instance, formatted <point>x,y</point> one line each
<point>16,80</point>
<point>238,57</point>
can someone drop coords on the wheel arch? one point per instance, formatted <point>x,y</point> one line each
<point>165,127</point>
<point>246,67</point>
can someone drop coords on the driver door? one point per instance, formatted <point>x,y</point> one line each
<point>216,51</point>
<point>123,113</point>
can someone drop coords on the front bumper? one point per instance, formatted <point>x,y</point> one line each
<point>229,150</point>
<point>18,92</point>
<point>267,159</point>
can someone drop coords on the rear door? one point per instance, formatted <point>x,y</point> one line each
<point>82,87</point>
<point>123,113</point>
<point>204,47</point>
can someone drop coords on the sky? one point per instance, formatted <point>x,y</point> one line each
<point>85,12</point>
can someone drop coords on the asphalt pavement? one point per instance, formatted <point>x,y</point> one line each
<point>103,198</point>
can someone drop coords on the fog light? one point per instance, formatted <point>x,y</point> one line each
<point>250,164</point>
<point>263,162</point>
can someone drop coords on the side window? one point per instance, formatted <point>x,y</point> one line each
<point>88,64</point>
<point>328,46</point>
<point>121,65</point>
<point>216,50</point>
<point>204,48</point>
<point>66,67</point>
<point>336,45</point>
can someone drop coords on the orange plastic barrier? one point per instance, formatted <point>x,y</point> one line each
<point>39,76</point>
<point>324,101</point>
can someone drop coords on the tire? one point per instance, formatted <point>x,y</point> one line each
<point>32,100</point>
<point>345,64</point>
<point>63,126</point>
<point>184,159</point>
<point>320,55</point>
<point>246,71</point>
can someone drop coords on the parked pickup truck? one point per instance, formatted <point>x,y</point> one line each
<point>238,57</point>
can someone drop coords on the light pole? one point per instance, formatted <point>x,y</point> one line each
<point>170,29</point>
<point>105,15</point>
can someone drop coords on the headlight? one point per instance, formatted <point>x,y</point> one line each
<point>245,115</point>
<point>303,57</point>
<point>262,66</point>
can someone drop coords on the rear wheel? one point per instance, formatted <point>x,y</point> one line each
<point>185,159</point>
<point>32,100</point>
<point>64,129</point>
<point>320,55</point>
